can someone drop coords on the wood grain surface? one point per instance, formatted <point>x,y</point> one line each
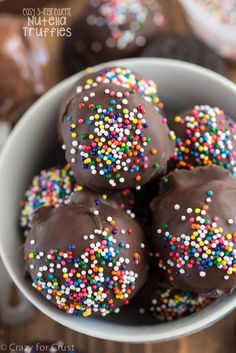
<point>220,338</point>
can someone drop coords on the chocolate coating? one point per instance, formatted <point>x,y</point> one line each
<point>167,304</point>
<point>22,70</point>
<point>205,135</point>
<point>184,47</point>
<point>114,138</point>
<point>109,30</point>
<point>194,230</point>
<point>125,199</point>
<point>86,258</point>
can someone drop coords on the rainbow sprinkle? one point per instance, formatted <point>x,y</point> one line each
<point>209,139</point>
<point>206,246</point>
<point>52,187</point>
<point>124,77</point>
<point>116,146</point>
<point>124,19</point>
<point>89,283</point>
<point>169,304</point>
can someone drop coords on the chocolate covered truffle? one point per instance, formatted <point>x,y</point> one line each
<point>87,258</point>
<point>114,138</point>
<point>109,30</point>
<point>205,135</point>
<point>184,47</point>
<point>194,230</point>
<point>56,186</point>
<point>52,187</point>
<point>167,304</point>
<point>23,76</point>
<point>121,76</point>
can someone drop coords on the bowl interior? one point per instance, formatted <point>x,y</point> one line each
<point>33,144</point>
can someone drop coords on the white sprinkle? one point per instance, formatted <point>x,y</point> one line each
<point>176,207</point>
<point>202,273</point>
<point>230,221</point>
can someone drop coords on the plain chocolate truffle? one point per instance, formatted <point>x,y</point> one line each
<point>109,30</point>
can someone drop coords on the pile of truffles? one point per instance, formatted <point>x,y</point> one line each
<point>143,211</point>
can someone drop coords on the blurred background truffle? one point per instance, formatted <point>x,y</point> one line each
<point>23,69</point>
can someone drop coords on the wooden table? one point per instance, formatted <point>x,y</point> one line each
<point>220,338</point>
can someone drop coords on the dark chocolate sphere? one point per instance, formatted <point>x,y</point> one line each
<point>194,230</point>
<point>205,135</point>
<point>109,30</point>
<point>23,76</point>
<point>114,138</point>
<point>87,258</point>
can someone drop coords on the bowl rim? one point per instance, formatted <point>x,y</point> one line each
<point>131,334</point>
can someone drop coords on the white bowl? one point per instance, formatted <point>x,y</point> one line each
<point>34,138</point>
<point>220,36</point>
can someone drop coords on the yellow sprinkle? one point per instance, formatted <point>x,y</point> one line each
<point>229,236</point>
<point>31,255</point>
<point>86,313</point>
<point>125,111</point>
<point>74,134</point>
<point>197,210</point>
<point>91,136</point>
<point>177,119</point>
<point>87,160</point>
<point>79,188</point>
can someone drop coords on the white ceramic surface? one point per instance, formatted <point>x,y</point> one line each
<point>220,36</point>
<point>31,142</point>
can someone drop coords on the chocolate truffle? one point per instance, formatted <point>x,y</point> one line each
<point>124,199</point>
<point>194,230</point>
<point>205,135</point>
<point>56,186</point>
<point>52,187</point>
<point>86,258</point>
<point>184,47</point>
<point>109,30</point>
<point>23,68</point>
<point>114,138</point>
<point>121,76</point>
<point>167,304</point>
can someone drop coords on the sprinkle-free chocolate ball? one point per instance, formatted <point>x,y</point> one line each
<point>23,76</point>
<point>87,258</point>
<point>109,30</point>
<point>114,138</point>
<point>205,135</point>
<point>194,230</point>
